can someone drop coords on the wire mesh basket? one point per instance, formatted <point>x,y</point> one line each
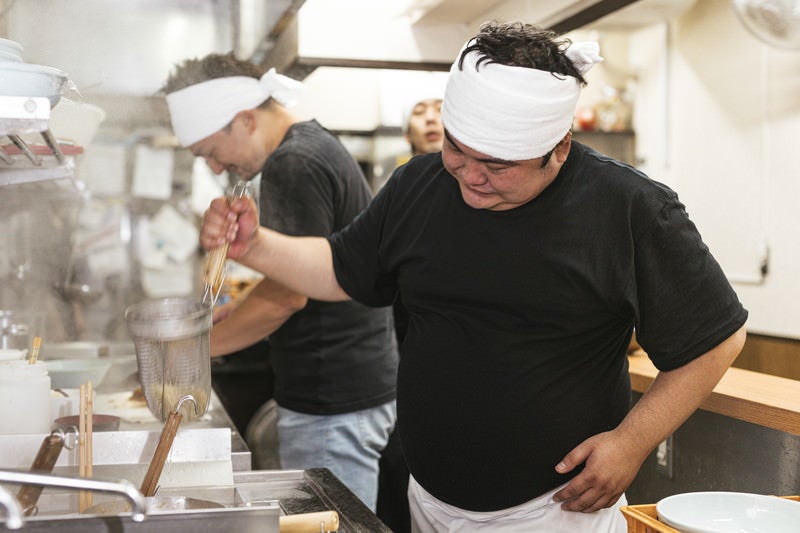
<point>172,341</point>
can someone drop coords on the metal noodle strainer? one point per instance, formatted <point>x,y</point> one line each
<point>172,340</point>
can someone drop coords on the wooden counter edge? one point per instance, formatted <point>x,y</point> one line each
<point>762,399</point>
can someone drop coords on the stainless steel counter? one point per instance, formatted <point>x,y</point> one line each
<point>209,462</point>
<point>254,503</point>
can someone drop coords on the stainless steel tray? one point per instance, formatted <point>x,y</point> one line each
<point>254,503</point>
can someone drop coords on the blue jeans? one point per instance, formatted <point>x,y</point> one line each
<point>349,445</point>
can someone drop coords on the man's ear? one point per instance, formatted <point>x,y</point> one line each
<point>561,150</point>
<point>247,119</point>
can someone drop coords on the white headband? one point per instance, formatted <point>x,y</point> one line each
<point>200,110</point>
<point>513,113</point>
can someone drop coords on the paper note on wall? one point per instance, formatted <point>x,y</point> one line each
<point>103,169</point>
<point>152,175</point>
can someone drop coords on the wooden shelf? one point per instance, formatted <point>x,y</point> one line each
<point>620,145</point>
<point>762,399</point>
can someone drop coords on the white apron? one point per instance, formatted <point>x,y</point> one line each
<point>430,515</point>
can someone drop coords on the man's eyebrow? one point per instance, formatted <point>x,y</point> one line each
<point>488,160</point>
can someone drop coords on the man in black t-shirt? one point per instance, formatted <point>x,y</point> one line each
<point>525,261</point>
<point>334,363</point>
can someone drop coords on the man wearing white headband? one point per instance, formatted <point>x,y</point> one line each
<point>335,363</point>
<point>525,260</point>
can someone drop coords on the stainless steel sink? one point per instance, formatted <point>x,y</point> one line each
<point>220,510</point>
<point>263,518</point>
<point>253,503</point>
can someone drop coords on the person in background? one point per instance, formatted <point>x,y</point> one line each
<point>335,363</point>
<point>525,260</point>
<point>422,124</point>
<point>422,127</point>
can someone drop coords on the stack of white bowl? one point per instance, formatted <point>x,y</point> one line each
<point>10,50</point>
<point>18,78</point>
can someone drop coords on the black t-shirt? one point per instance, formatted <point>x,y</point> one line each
<point>330,357</point>
<point>520,319</point>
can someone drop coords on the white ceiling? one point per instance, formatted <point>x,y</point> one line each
<point>471,12</point>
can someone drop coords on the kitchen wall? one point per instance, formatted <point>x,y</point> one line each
<point>715,452</point>
<point>724,138</point>
<point>716,111</point>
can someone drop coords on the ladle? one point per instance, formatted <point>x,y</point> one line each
<point>44,462</point>
<point>150,482</point>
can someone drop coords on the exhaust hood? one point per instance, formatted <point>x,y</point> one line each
<point>427,34</point>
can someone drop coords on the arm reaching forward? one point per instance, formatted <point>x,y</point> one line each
<point>303,264</point>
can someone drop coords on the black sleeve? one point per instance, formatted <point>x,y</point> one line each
<point>356,253</point>
<point>297,196</point>
<point>686,306</point>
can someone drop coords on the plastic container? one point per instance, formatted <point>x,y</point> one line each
<point>24,398</point>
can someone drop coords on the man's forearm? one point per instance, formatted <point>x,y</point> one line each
<point>676,394</point>
<point>304,264</point>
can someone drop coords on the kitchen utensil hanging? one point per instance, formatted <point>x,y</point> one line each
<point>44,462</point>
<point>150,481</point>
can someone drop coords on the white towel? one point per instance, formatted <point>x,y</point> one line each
<point>204,108</point>
<point>513,113</point>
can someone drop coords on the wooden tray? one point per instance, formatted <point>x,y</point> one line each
<point>644,518</point>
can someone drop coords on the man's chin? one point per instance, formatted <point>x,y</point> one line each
<point>477,200</point>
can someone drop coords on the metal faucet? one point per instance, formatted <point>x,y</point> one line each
<point>13,510</point>
<point>123,487</point>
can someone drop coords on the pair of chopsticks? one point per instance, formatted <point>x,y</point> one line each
<point>214,270</point>
<point>85,443</point>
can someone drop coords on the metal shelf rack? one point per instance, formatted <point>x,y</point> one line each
<point>24,162</point>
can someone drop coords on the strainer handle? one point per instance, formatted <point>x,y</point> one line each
<point>188,397</point>
<point>214,271</point>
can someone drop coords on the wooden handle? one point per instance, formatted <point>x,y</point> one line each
<point>213,272</point>
<point>150,482</point>
<point>44,462</point>
<point>310,522</point>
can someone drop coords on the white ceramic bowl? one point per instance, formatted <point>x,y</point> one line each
<point>729,512</point>
<point>12,355</point>
<point>72,373</point>
<point>9,48</point>
<point>76,121</point>
<point>85,349</point>
<point>26,79</point>
<point>10,56</point>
